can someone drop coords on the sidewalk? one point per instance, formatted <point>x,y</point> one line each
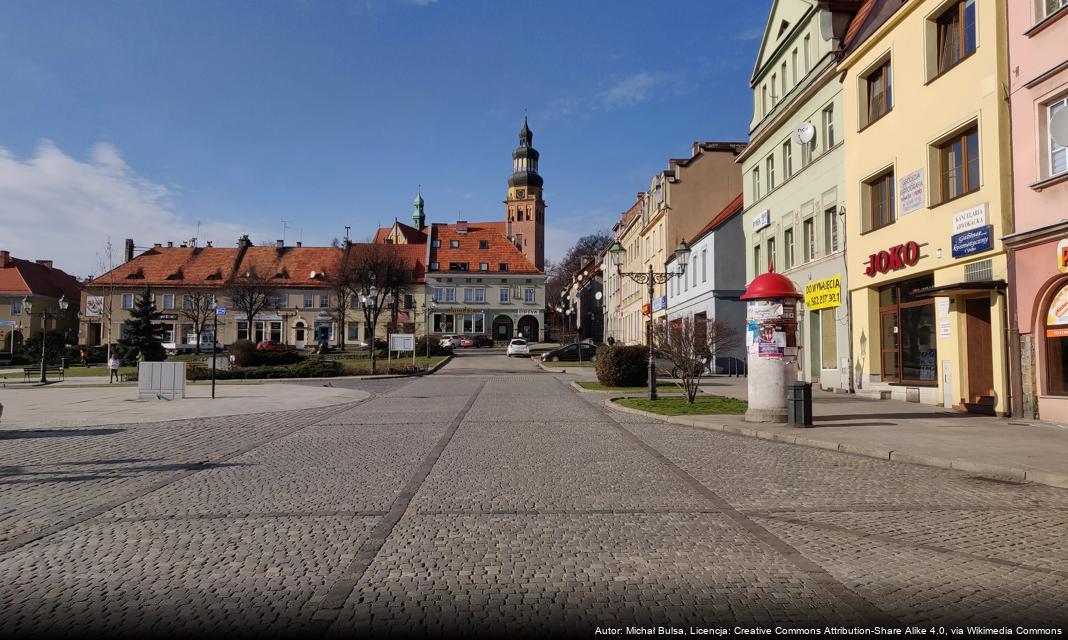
<point>913,433</point>
<point>60,406</point>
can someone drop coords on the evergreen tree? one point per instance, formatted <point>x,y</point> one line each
<point>141,334</point>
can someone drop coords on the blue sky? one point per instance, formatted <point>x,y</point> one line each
<point>136,118</point>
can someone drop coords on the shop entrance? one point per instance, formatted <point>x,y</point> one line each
<point>980,356</point>
<point>907,333</point>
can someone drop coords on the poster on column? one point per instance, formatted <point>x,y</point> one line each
<point>771,341</point>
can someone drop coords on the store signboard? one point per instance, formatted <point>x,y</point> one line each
<point>762,219</point>
<point>1062,256</point>
<point>911,192</point>
<point>896,257</point>
<point>1058,309</point>
<point>94,306</point>
<point>659,303</point>
<point>973,218</point>
<point>824,294</point>
<point>973,241</point>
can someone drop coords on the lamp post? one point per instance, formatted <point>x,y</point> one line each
<point>370,302</point>
<point>650,279</point>
<point>214,340</point>
<point>46,315</point>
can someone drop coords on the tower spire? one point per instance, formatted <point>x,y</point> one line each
<point>418,217</point>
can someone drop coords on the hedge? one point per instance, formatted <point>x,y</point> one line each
<point>621,366</point>
<point>310,368</point>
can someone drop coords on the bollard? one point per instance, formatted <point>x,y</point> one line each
<point>799,404</point>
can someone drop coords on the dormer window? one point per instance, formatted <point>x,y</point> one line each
<point>483,244</point>
<point>436,244</point>
<point>454,244</point>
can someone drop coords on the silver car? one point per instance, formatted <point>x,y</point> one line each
<point>518,347</point>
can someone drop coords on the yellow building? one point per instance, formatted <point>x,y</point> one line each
<point>927,201</point>
<point>632,295</point>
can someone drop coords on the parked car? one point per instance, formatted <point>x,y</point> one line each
<point>268,345</point>
<point>449,341</point>
<point>483,340</point>
<point>580,352</point>
<point>518,347</point>
<point>666,366</point>
<point>468,341</point>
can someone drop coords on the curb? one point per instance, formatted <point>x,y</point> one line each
<point>670,394</point>
<point>1059,480</point>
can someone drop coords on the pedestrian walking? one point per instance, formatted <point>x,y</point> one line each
<point>85,358</point>
<point>113,368</point>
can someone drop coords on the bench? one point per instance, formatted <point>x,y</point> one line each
<point>50,370</point>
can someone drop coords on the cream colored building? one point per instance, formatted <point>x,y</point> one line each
<point>928,197</point>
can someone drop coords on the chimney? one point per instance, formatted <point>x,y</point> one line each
<point>299,244</point>
<point>279,244</point>
<point>184,245</point>
<point>128,250</point>
<point>170,245</point>
<point>243,242</point>
<point>156,246</point>
<point>209,244</point>
<point>461,226</point>
<point>5,257</point>
<point>45,263</point>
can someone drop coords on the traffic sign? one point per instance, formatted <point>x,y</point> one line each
<point>220,311</point>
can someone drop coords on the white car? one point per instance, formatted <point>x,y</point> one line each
<point>518,347</point>
<point>450,341</point>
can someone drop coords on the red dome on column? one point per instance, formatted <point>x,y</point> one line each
<point>770,285</point>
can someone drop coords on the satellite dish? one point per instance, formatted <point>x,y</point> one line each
<point>1058,127</point>
<point>598,295</point>
<point>804,133</point>
<point>312,275</point>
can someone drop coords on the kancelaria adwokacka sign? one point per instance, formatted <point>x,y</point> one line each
<point>896,257</point>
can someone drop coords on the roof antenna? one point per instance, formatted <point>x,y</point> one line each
<point>347,234</point>
<point>285,225</point>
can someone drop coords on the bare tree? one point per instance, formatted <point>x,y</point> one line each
<point>339,280</point>
<point>197,310</point>
<point>688,345</point>
<point>106,264</point>
<point>250,294</point>
<point>376,273</point>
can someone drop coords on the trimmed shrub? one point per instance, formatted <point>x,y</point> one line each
<point>244,353</point>
<point>310,368</point>
<point>262,358</point>
<point>622,366</point>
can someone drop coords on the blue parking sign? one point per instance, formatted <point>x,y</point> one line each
<point>220,311</point>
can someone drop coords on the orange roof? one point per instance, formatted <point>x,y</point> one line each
<point>174,266</point>
<point>498,248</point>
<point>23,277</point>
<point>291,266</point>
<point>410,234</point>
<point>414,255</point>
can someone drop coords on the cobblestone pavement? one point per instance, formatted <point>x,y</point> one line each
<point>496,498</point>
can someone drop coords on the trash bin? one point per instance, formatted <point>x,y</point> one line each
<point>799,404</point>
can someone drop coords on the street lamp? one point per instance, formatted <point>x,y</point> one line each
<point>651,279</point>
<point>46,315</point>
<point>214,340</point>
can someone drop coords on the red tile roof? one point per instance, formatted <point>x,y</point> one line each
<point>163,265</point>
<point>411,234</point>
<point>22,277</point>
<point>291,266</point>
<point>498,248</point>
<point>414,256</point>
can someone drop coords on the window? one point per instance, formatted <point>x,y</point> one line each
<point>1058,155</point>
<point>127,301</point>
<point>354,302</point>
<point>881,201</point>
<point>782,72</point>
<point>168,301</point>
<point>483,266</point>
<point>474,295</point>
<point>454,244</point>
<point>528,295</point>
<point>756,183</point>
<point>473,323</point>
<point>436,244</point>
<point>434,266</point>
<point>774,98</point>
<point>757,267</point>
<point>769,165</point>
<point>828,127</point>
<point>808,58</point>
<point>242,330</point>
<point>502,266</point>
<point>956,34</point>
<point>793,64</point>
<point>829,335</point>
<point>457,266</point>
<point>771,251</point>
<point>483,244</point>
<point>830,230</point>
<point>1053,6</point>
<point>880,98</point>
<point>808,230</point>
<point>188,302</point>
<point>704,265</point>
<point>787,160</point>
<point>444,294</point>
<point>958,164</point>
<point>763,100</point>
<point>1057,345</point>
<point>907,333</point>
<point>807,151</point>
<point>16,307</point>
<point>504,295</point>
<point>788,248</point>
<point>324,301</point>
<point>309,300</point>
<point>409,301</point>
<point>353,331</point>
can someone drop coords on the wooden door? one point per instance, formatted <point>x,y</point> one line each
<point>980,355</point>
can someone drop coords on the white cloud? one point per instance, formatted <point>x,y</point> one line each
<point>54,206</point>
<point>750,34</point>
<point>421,3</point>
<point>631,90</point>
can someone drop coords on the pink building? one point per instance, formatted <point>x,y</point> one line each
<point>1038,248</point>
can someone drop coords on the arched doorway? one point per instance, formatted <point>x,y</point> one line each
<point>502,328</point>
<point>528,328</point>
<point>299,339</point>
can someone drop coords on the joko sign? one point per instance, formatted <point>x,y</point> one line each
<point>896,257</point>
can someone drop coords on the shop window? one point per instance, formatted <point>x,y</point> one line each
<point>908,346</point>
<point>956,39</point>
<point>1057,344</point>
<point>958,164</point>
<point>829,339</point>
<point>880,201</point>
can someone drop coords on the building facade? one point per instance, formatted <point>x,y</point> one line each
<point>1038,246</point>
<point>708,291</point>
<point>44,284</point>
<point>794,177</point>
<point>616,320</point>
<point>928,199</point>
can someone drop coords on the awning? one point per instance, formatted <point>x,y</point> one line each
<point>960,289</point>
